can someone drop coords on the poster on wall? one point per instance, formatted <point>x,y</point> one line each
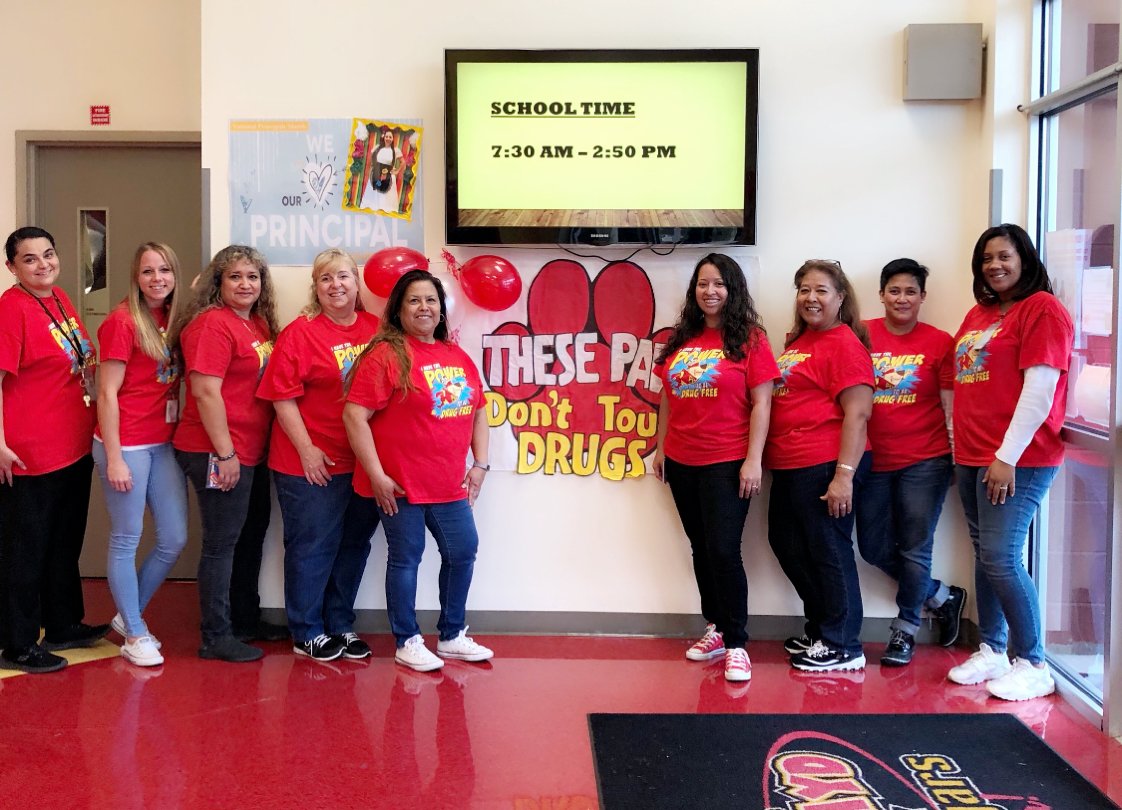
<point>568,370</point>
<point>300,186</point>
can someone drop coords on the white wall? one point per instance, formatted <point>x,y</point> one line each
<point>847,171</point>
<point>141,57</point>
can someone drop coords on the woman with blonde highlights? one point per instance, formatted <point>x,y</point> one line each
<point>138,406</point>
<point>327,527</point>
<point>226,338</point>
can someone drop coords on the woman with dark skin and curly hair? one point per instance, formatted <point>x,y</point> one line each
<point>717,375</point>
<point>818,454</point>
<point>226,337</point>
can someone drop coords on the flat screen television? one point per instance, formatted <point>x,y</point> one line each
<point>601,147</point>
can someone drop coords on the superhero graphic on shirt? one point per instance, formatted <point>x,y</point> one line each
<point>451,394</point>
<point>263,349</point>
<point>167,371</point>
<point>970,358</point>
<point>896,377</point>
<point>345,354</point>
<point>787,363</point>
<point>694,372</point>
<point>71,332</point>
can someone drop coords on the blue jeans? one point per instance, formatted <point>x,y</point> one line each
<point>1008,607</point>
<point>327,533</point>
<point>896,516</point>
<point>815,551</point>
<point>453,527</point>
<point>158,482</point>
<point>713,513</point>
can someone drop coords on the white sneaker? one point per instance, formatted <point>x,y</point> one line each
<point>984,665</point>
<point>118,625</point>
<point>1023,682</point>
<point>415,655</point>
<point>142,652</point>
<point>463,648</point>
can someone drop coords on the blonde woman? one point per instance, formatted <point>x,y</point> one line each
<point>137,409</point>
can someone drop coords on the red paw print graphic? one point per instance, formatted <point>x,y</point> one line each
<point>575,381</point>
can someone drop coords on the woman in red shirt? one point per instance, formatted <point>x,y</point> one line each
<point>817,451</point>
<point>138,406</point>
<point>900,502</point>
<point>46,426</point>
<point>1012,354</point>
<point>717,374</point>
<point>220,444</point>
<point>414,407</point>
<point>327,527</point>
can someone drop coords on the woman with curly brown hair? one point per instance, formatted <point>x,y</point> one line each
<point>226,338</point>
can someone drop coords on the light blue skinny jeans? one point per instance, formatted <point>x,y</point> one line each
<point>157,481</point>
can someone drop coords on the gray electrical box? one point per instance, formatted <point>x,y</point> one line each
<point>943,62</point>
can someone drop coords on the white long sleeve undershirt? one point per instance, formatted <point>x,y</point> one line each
<point>1033,407</point>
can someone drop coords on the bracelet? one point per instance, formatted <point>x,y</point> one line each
<point>233,453</point>
<point>484,467</point>
<point>847,467</point>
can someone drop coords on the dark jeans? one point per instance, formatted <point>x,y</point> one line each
<point>713,514</point>
<point>453,527</point>
<point>897,512</point>
<point>815,551</point>
<point>42,525</point>
<point>327,534</point>
<point>234,526</point>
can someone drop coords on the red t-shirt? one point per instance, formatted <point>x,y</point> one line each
<point>308,364</point>
<point>423,439</point>
<point>46,422</point>
<point>806,417</point>
<point>709,397</point>
<point>148,384</point>
<point>989,377</point>
<point>909,424</point>
<point>220,343</point>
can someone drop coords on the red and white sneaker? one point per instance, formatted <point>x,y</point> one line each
<point>737,665</point>
<point>709,646</point>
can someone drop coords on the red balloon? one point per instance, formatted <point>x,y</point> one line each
<point>384,268</point>
<point>491,282</point>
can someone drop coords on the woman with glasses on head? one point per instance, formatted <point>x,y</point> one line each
<point>817,451</point>
<point>717,375</point>
<point>414,408</point>
<point>226,338</point>
<point>327,526</point>
<point>138,407</point>
<point>900,502</point>
<point>1012,354</point>
<point>46,427</point>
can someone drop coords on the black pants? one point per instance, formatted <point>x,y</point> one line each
<point>42,526</point>
<point>713,513</point>
<point>234,526</point>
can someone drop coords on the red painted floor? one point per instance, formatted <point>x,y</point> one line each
<point>287,732</point>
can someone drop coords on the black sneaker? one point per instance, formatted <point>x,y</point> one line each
<point>231,650</point>
<point>320,648</point>
<point>798,644</point>
<point>76,635</point>
<point>821,657</point>
<point>354,647</point>
<point>899,650</point>
<point>949,616</point>
<point>31,659</point>
<point>264,631</point>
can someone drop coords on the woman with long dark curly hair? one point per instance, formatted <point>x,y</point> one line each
<point>717,374</point>
<point>226,338</point>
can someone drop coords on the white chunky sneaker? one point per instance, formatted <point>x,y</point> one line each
<point>1023,682</point>
<point>463,648</point>
<point>709,646</point>
<point>415,655</point>
<point>982,666</point>
<point>142,652</point>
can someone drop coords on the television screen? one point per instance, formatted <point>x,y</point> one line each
<point>601,146</point>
